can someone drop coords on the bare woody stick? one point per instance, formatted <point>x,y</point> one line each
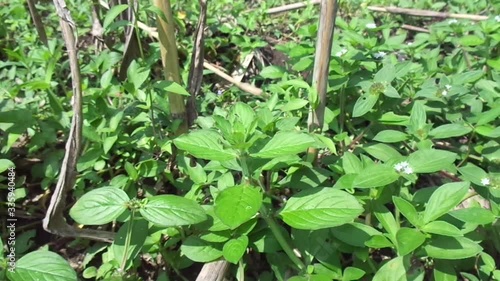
<point>425,13</point>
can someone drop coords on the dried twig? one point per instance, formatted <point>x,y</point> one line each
<point>54,221</point>
<point>35,16</point>
<point>294,6</point>
<point>414,28</point>
<point>213,271</point>
<point>242,85</point>
<point>425,13</point>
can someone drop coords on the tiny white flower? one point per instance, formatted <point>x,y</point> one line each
<point>408,170</point>
<point>341,52</point>
<point>444,93</point>
<point>497,18</point>
<point>401,166</point>
<point>219,92</point>
<point>379,55</point>
<point>409,43</point>
<point>448,87</point>
<point>371,25</point>
<point>485,181</point>
<point>452,21</point>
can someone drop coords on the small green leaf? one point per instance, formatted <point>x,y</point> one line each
<point>382,152</point>
<point>171,87</point>
<point>442,228</point>
<point>409,239</point>
<point>42,265</point>
<point>364,104</point>
<point>205,144</point>
<point>351,164</point>
<point>319,208</point>
<point>444,199</point>
<point>385,74</point>
<point>452,248</point>
<point>473,173</point>
<point>108,143</point>
<point>5,164</point>
<point>172,210</point>
<point>352,273</point>
<point>285,143</point>
<point>294,104</point>
<point>450,130</point>
<point>418,117</point>
<point>394,270</point>
<point>430,160</point>
<point>354,233</point>
<point>386,218</point>
<point>99,206</point>
<point>238,204</point>
<point>112,14</point>
<point>407,209</point>
<point>272,72</point>
<point>390,136</point>
<point>234,249</point>
<point>199,251</point>
<point>471,40</point>
<point>139,232</point>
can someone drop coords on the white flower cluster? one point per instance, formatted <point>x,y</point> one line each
<point>403,167</point>
<point>445,92</point>
<point>452,21</point>
<point>379,55</point>
<point>371,25</point>
<point>497,18</point>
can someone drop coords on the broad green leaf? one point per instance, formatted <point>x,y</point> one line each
<point>205,144</point>
<point>100,206</point>
<point>139,232</point>
<point>488,116</point>
<point>473,173</point>
<point>409,239</point>
<point>407,209</point>
<point>474,215</point>
<point>108,143</point>
<point>234,249</point>
<point>318,208</point>
<point>444,271</point>
<point>354,234</point>
<point>199,251</point>
<point>444,199</point>
<point>375,175</point>
<point>418,116</point>
<point>112,14</point>
<point>172,210</point>
<point>430,160</point>
<point>470,40</point>
<point>294,104</point>
<point>285,143</point>
<point>364,104</point>
<point>390,118</point>
<point>450,130</point>
<point>386,218</point>
<point>379,242</point>
<point>442,228</point>
<point>385,74</point>
<point>352,273</point>
<point>137,75</point>
<point>452,248</point>
<point>382,152</point>
<point>272,72</point>
<point>42,265</point>
<point>238,204</point>
<point>394,270</point>
<point>5,164</point>
<point>245,112</point>
<point>390,136</point>
<point>351,164</point>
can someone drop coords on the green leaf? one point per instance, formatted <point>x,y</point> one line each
<point>442,228</point>
<point>199,251</point>
<point>100,206</point>
<point>394,270</point>
<point>474,215</point>
<point>407,209</point>
<point>382,152</point>
<point>205,144</point>
<point>139,232</point>
<point>285,143</point>
<point>42,265</point>
<point>385,74</point>
<point>364,104</point>
<point>354,234</point>
<point>471,40</point>
<point>112,14</point>
<point>294,104</point>
<point>452,248</point>
<point>450,130</point>
<point>108,143</point>
<point>409,239</point>
<point>238,204</point>
<point>351,164</point>
<point>245,112</point>
<point>137,75</point>
<point>472,173</point>
<point>390,136</point>
<point>385,217</point>
<point>234,249</point>
<point>352,273</point>
<point>444,199</point>
<point>171,87</point>
<point>319,208</point>
<point>172,210</point>
<point>5,164</point>
<point>272,72</point>
<point>376,175</point>
<point>418,117</point>
<point>430,160</point>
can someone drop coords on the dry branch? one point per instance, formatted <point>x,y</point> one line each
<point>294,6</point>
<point>425,13</point>
<point>242,85</point>
<point>37,20</point>
<point>414,28</point>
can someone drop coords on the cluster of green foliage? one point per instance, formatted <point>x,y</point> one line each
<point>410,138</point>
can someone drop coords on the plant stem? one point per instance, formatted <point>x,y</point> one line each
<point>127,241</point>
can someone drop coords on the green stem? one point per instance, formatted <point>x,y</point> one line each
<point>127,241</point>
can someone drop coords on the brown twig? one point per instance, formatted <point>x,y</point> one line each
<point>425,13</point>
<point>242,85</point>
<point>294,6</point>
<point>35,16</point>
<point>414,28</point>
